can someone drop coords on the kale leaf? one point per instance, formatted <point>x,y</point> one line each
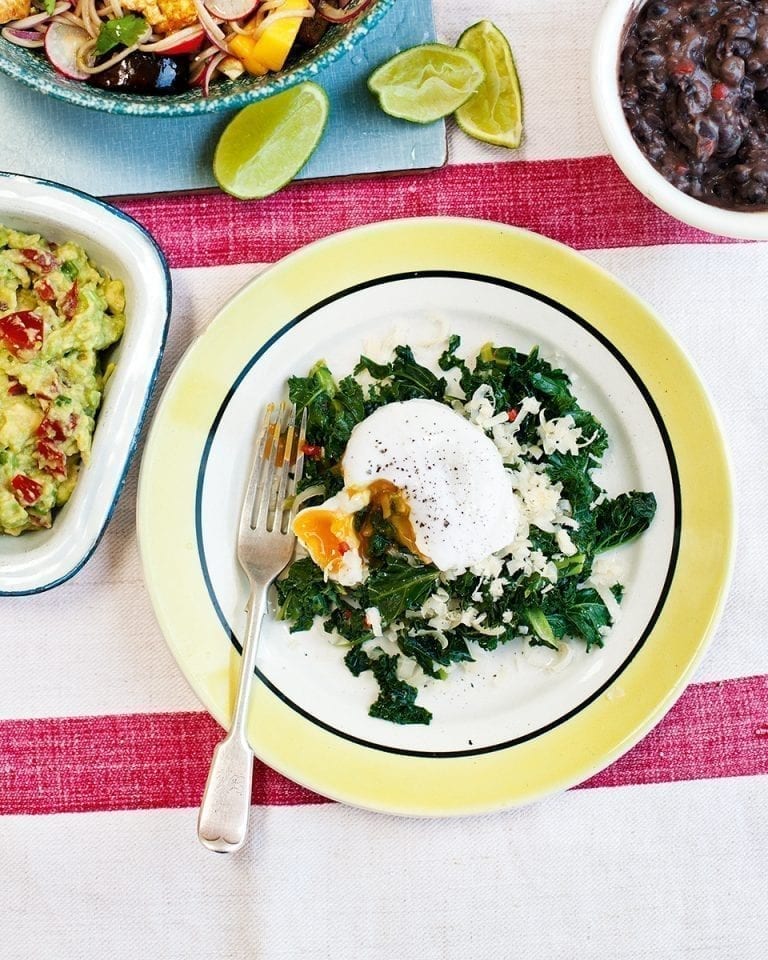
<point>397,586</point>
<point>333,410</point>
<point>397,699</point>
<point>577,611</point>
<point>622,519</point>
<point>305,594</point>
<point>427,650</point>
<point>403,379</point>
<point>350,623</point>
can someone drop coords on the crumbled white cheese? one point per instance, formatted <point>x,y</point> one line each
<point>351,571</point>
<point>373,617</point>
<point>528,405</point>
<point>481,409</point>
<point>565,545</point>
<point>539,497</point>
<point>408,670</point>
<point>488,568</point>
<point>496,588</point>
<point>606,595</point>
<point>607,571</point>
<point>559,435</point>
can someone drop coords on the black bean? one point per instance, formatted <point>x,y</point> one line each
<point>732,70</point>
<point>694,86</point>
<point>754,193</point>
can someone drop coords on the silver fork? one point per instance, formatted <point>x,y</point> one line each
<point>264,548</point>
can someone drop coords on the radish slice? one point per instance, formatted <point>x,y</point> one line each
<point>231,9</point>
<point>190,44</point>
<point>340,15</point>
<point>62,41</point>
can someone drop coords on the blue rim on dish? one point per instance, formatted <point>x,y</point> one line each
<point>33,70</point>
<point>151,383</point>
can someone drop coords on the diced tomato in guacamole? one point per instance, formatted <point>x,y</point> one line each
<point>58,314</point>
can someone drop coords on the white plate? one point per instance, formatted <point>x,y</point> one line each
<point>38,560</point>
<point>506,730</point>
<point>510,693</point>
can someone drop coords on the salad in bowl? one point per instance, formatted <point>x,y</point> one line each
<point>175,56</point>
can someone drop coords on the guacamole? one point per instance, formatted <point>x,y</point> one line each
<point>58,312</point>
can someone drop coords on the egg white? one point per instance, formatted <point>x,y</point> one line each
<point>462,505</point>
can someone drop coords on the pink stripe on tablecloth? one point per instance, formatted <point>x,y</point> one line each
<point>586,203</point>
<point>151,761</point>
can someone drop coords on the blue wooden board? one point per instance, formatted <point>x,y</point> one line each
<point>110,155</point>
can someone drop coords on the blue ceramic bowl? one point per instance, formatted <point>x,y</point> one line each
<point>35,71</point>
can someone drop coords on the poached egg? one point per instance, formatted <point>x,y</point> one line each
<point>436,477</point>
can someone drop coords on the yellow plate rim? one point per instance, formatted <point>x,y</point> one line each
<point>598,733</point>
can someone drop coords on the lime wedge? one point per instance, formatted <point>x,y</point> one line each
<point>495,113</point>
<point>267,143</point>
<point>426,83</point>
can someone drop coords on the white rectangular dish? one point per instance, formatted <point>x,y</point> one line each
<point>39,560</point>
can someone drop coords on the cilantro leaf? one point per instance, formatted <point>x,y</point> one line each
<point>124,31</point>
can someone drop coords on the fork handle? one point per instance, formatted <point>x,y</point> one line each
<point>223,820</point>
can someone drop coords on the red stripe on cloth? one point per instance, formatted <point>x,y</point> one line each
<point>150,761</point>
<point>125,762</point>
<point>586,203</point>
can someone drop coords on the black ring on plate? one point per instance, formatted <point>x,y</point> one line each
<point>520,288</point>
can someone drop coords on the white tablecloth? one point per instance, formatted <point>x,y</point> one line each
<point>662,870</point>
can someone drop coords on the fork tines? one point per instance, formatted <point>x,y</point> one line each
<point>277,469</point>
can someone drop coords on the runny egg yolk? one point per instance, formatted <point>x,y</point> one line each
<point>327,535</point>
<point>328,532</point>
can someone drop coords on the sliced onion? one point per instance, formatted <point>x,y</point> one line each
<point>209,71</point>
<point>339,14</point>
<point>26,22</point>
<point>210,26</point>
<point>318,490</point>
<point>220,44</point>
<point>17,34</point>
<point>204,55</point>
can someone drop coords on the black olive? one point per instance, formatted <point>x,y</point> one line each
<point>311,32</point>
<point>145,73</point>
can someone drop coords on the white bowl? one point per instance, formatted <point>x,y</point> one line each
<point>41,559</point>
<point>610,115</point>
